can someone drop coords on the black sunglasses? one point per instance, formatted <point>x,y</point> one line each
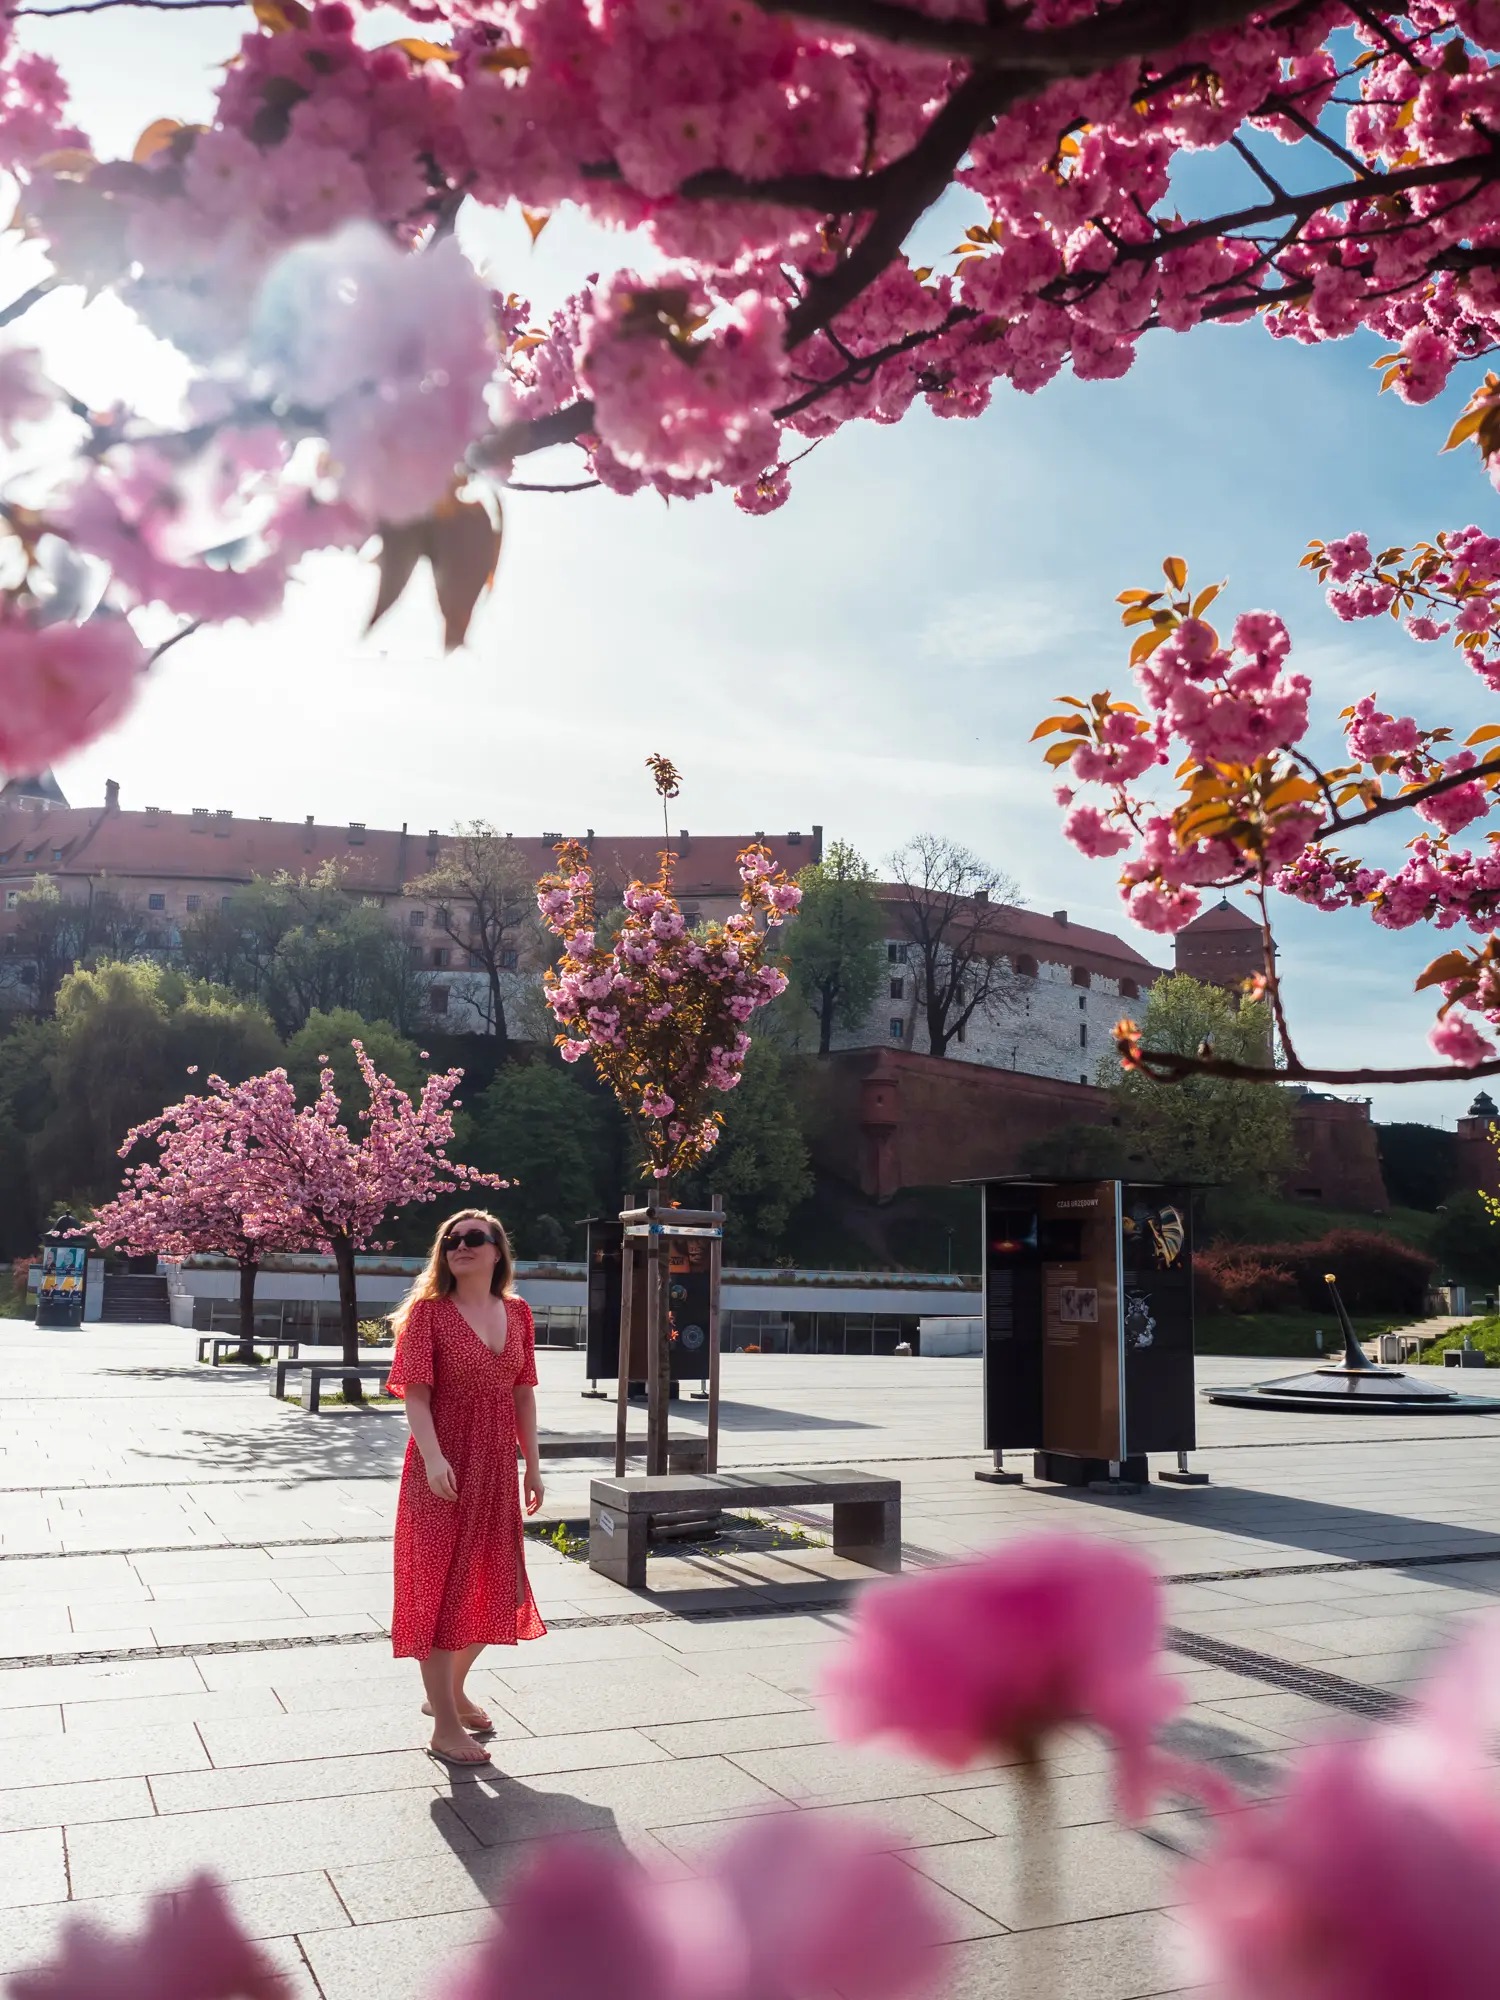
<point>468,1239</point>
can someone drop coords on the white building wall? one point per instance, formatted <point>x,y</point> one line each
<point>1041,1025</point>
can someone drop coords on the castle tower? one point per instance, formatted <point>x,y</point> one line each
<point>1221,947</point>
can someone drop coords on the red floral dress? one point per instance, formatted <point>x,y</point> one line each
<point>461,1567</point>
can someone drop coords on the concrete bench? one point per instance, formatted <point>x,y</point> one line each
<point>315,1371</point>
<point>225,1343</point>
<point>866,1512</point>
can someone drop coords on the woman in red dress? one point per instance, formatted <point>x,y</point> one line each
<point>465,1362</point>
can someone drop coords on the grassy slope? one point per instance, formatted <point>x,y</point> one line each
<point>1483,1334</point>
<point>1285,1334</point>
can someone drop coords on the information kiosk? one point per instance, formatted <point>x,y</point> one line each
<point>1088,1318</point>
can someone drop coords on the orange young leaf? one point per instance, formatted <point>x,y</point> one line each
<point>1174,569</point>
<point>1452,965</point>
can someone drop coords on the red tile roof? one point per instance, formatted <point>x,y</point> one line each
<point>1059,941</point>
<point>189,848</point>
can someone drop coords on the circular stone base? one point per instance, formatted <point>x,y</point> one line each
<point>1377,1392</point>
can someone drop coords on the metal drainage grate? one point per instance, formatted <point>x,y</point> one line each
<point>1311,1682</point>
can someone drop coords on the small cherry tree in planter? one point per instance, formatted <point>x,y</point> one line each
<point>661,1008</point>
<point>193,1198</point>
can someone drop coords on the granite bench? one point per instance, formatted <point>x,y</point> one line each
<point>866,1512</point>
<point>315,1371</point>
<point>225,1343</point>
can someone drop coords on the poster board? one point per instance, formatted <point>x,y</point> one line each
<point>1082,1399</point>
<point>64,1276</point>
<point>1157,1347</point>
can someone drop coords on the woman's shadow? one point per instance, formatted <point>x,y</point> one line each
<point>490,1821</point>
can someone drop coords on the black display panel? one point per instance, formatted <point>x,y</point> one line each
<point>689,1296</point>
<point>1012,1319</point>
<point>1156,1256</point>
<point>605,1239</point>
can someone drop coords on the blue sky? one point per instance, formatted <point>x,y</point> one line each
<point>873,657</point>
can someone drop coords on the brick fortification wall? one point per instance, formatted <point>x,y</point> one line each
<point>885,1119</point>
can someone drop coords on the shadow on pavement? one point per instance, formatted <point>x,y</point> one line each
<point>1290,1524</point>
<point>505,1815</point>
<point>351,1444</point>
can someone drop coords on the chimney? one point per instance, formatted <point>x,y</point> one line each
<point>817,842</point>
<point>307,834</point>
<point>981,895</point>
<point>1059,916</point>
<point>111,796</point>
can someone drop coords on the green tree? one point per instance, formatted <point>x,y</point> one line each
<point>835,948</point>
<point>125,1039</point>
<point>1206,1128</point>
<point>1466,1242</point>
<point>330,1037</point>
<point>26,1101</point>
<point>303,944</point>
<point>1418,1163</point>
<point>760,1165</point>
<point>540,1125</point>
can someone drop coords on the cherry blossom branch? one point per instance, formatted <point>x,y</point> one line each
<point>195,625</point>
<point>38,292</point>
<point>1164,1067</point>
<point>923,175</point>
<point>1136,28</point>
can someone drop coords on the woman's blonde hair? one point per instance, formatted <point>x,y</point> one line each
<point>436,1281</point>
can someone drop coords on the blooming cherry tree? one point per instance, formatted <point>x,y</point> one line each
<point>353,382</point>
<point>661,1008</point>
<point>1249,807</point>
<point>306,1177</point>
<point>194,1197</point>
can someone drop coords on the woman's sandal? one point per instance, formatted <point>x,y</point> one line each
<point>483,1727</point>
<point>459,1763</point>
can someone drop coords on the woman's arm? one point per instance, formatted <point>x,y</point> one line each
<point>419,1415</point>
<point>526,1433</point>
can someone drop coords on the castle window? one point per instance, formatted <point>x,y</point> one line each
<point>1082,976</point>
<point>156,902</point>
<point>1129,990</point>
<point>898,1029</point>
<point>508,961</point>
<point>898,989</point>
<point>437,1000</point>
<point>1026,967</point>
<point>895,953</point>
<point>1083,1034</point>
<point>195,902</point>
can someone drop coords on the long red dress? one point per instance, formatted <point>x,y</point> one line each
<point>461,1566</point>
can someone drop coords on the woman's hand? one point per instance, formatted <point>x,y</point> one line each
<point>440,1478</point>
<point>533,1488</point>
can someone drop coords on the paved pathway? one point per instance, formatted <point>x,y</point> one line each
<point>193,1671</point>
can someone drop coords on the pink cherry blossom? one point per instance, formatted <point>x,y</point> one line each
<point>1092,834</point>
<point>190,1948</point>
<point>61,685</point>
<point>26,396</point>
<point>1280,1906</point>
<point>1457,1040</point>
<point>994,1656</point>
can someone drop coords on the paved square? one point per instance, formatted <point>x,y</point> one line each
<point>194,1668</point>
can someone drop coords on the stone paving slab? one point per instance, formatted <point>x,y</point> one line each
<point>146,1504</point>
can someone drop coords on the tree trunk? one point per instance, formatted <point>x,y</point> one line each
<point>343,1257</point>
<point>248,1268</point>
<point>497,1010</point>
<point>825,1021</point>
<point>659,1345</point>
